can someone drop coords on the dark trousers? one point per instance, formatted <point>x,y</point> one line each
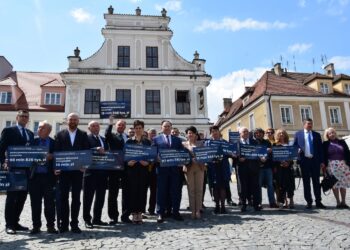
<point>94,184</point>
<point>137,185</point>
<point>249,180</point>
<point>13,207</point>
<point>40,187</point>
<point>117,179</point>
<point>152,183</point>
<point>69,181</point>
<point>168,182</point>
<point>310,169</point>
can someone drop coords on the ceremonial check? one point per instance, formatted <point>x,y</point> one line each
<point>139,152</point>
<point>226,148</point>
<point>207,154</point>
<point>117,109</point>
<point>233,137</point>
<point>253,152</point>
<point>26,156</point>
<point>72,160</point>
<point>13,181</point>
<point>174,157</point>
<point>110,160</point>
<point>285,153</point>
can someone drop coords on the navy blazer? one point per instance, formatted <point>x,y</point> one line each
<point>93,143</point>
<point>63,143</point>
<point>114,141</point>
<point>11,136</point>
<point>160,142</point>
<point>51,149</point>
<point>299,141</point>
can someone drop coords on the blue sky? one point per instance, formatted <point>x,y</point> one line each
<point>239,39</point>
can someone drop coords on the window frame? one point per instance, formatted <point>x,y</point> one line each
<point>183,104</point>
<point>251,120</point>
<point>6,96</point>
<point>123,56</point>
<point>290,107</point>
<point>347,88</point>
<point>152,102</point>
<point>52,96</point>
<point>152,56</point>
<point>303,107</point>
<point>340,120</point>
<point>324,88</point>
<point>92,102</point>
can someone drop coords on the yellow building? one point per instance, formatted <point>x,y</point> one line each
<point>281,99</point>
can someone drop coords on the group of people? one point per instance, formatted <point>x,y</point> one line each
<point>46,183</point>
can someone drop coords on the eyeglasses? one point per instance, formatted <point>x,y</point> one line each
<point>24,116</point>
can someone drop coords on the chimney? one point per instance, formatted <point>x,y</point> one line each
<point>138,11</point>
<point>329,70</point>
<point>277,69</point>
<point>227,104</point>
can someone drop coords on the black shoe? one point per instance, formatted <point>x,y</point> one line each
<point>126,220</point>
<point>152,213</point>
<point>178,217</point>
<point>244,208</point>
<point>167,215</point>
<point>223,210</point>
<point>19,227</point>
<point>52,230</point>
<point>113,222</point>
<point>10,230</point>
<point>35,230</point>
<point>257,208</point>
<point>89,225</point>
<point>320,205</point>
<point>217,210</point>
<point>76,230</point>
<point>62,230</point>
<point>99,223</point>
<point>231,203</point>
<point>160,219</point>
<point>308,206</point>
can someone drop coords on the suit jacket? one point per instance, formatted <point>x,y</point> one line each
<point>63,143</point>
<point>114,141</point>
<point>49,163</point>
<point>94,143</point>
<point>249,163</point>
<point>159,141</point>
<point>299,141</point>
<point>345,147</point>
<point>11,136</point>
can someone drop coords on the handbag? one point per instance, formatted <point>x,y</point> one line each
<point>328,182</point>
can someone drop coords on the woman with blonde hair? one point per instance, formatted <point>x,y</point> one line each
<point>337,160</point>
<point>284,172</point>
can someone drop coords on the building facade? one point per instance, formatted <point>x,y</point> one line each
<point>281,99</point>
<point>138,65</point>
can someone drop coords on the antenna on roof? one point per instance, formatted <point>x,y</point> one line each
<point>325,58</point>
<point>313,65</point>
<point>287,65</point>
<point>281,59</point>
<point>272,64</point>
<point>295,67</point>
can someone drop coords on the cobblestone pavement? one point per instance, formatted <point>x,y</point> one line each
<point>268,229</point>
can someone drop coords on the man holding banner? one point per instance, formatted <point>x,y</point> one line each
<point>70,139</point>
<point>15,136</point>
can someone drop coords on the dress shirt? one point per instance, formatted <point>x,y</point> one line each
<point>166,140</point>
<point>72,136</point>
<point>307,151</point>
<point>21,129</point>
<point>97,137</point>
<point>42,169</point>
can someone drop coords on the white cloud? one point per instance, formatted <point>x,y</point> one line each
<point>299,47</point>
<point>302,3</point>
<point>341,62</point>
<point>229,86</point>
<point>172,5</point>
<point>233,24</point>
<point>135,1</point>
<point>82,16</point>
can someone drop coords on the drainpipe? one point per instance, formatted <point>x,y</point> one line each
<point>270,111</point>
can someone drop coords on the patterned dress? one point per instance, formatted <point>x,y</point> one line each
<point>337,165</point>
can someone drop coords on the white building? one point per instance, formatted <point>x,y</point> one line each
<point>138,65</point>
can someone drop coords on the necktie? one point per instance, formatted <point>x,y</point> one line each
<point>245,141</point>
<point>24,133</point>
<point>42,142</point>
<point>311,146</point>
<point>167,140</point>
<point>98,141</point>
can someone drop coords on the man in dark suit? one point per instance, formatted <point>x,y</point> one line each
<point>95,180</point>
<point>15,136</point>
<point>117,179</point>
<point>309,143</point>
<point>41,183</point>
<point>70,139</point>
<point>248,172</point>
<point>168,178</point>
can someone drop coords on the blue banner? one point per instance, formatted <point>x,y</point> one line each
<point>174,157</point>
<point>233,137</point>
<point>207,154</point>
<point>227,148</point>
<point>253,152</point>
<point>72,160</point>
<point>139,152</point>
<point>109,160</point>
<point>13,181</point>
<point>284,153</point>
<point>117,109</point>
<point>26,156</point>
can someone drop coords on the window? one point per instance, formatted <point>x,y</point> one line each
<point>152,101</point>
<point>57,127</point>
<point>335,116</point>
<point>92,101</point>
<point>305,112</point>
<point>5,97</point>
<point>245,100</point>
<point>182,98</point>
<point>35,128</point>
<point>52,98</point>
<point>324,88</point>
<point>286,114</point>
<point>151,57</point>
<point>123,56</point>
<point>201,99</point>
<point>347,89</point>
<point>251,122</point>
<point>10,123</point>
<point>124,95</point>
